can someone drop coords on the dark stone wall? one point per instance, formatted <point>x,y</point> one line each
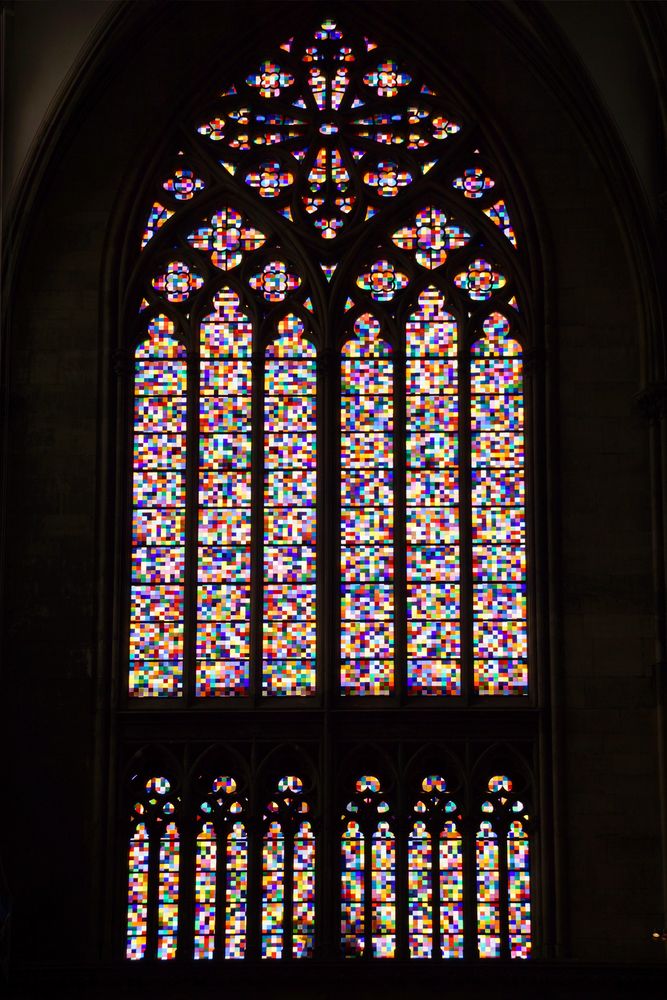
<point>593,495</point>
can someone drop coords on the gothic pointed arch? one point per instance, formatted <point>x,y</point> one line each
<point>328,534</point>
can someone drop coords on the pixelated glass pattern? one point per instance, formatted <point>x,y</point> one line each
<point>500,634</point>
<point>303,896</point>
<point>367,512</point>
<point>420,892</point>
<point>157,217</point>
<point>386,79</point>
<point>503,874</point>
<point>328,197</point>
<point>273,891</point>
<point>382,281</point>
<point>298,156</point>
<point>275,281</point>
<point>387,179</point>
<point>383,890</point>
<point>473,183</point>
<point>154,827</point>
<point>435,875</point>
<point>183,184</point>
<point>432,499</point>
<point>206,865</point>
<point>167,929</point>
<point>500,217</point>
<point>480,280</point>
<point>430,237</point>
<point>158,517</point>
<point>137,896</point>
<point>518,890</point>
<point>488,892</point>
<point>290,478</point>
<point>236,900</point>
<point>177,281</point>
<point>288,887</point>
<point>270,79</point>
<point>226,237</point>
<point>225,443</point>
<point>368,874</point>
<point>221,874</point>
<point>269,179</point>
<point>352,890</point>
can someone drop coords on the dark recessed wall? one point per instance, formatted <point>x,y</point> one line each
<point>594,487</point>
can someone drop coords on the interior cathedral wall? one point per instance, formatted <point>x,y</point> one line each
<point>594,481</point>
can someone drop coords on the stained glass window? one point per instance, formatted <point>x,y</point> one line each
<point>435,874</point>
<point>500,640</point>
<point>368,888</point>
<point>328,323</point>
<point>288,874</point>
<point>413,618</point>
<point>225,441</point>
<point>367,512</point>
<point>158,520</point>
<point>221,872</point>
<point>432,498</point>
<point>290,534</point>
<point>503,874</point>
<point>153,865</point>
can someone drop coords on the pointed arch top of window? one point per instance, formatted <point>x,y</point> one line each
<point>330,131</point>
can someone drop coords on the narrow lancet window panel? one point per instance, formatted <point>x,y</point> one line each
<point>158,517</point>
<point>221,873</point>
<point>435,874</point>
<point>236,909</point>
<point>500,639</point>
<point>353,861</point>
<point>206,866</point>
<point>488,892</point>
<point>224,523</point>
<point>290,510</point>
<point>383,891</point>
<point>273,891</point>
<point>303,929</point>
<point>168,889</point>
<point>504,927</point>
<point>367,512</point>
<point>137,897</point>
<point>518,874</point>
<point>153,872</point>
<point>432,499</point>
<point>288,874</point>
<point>368,874</point>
